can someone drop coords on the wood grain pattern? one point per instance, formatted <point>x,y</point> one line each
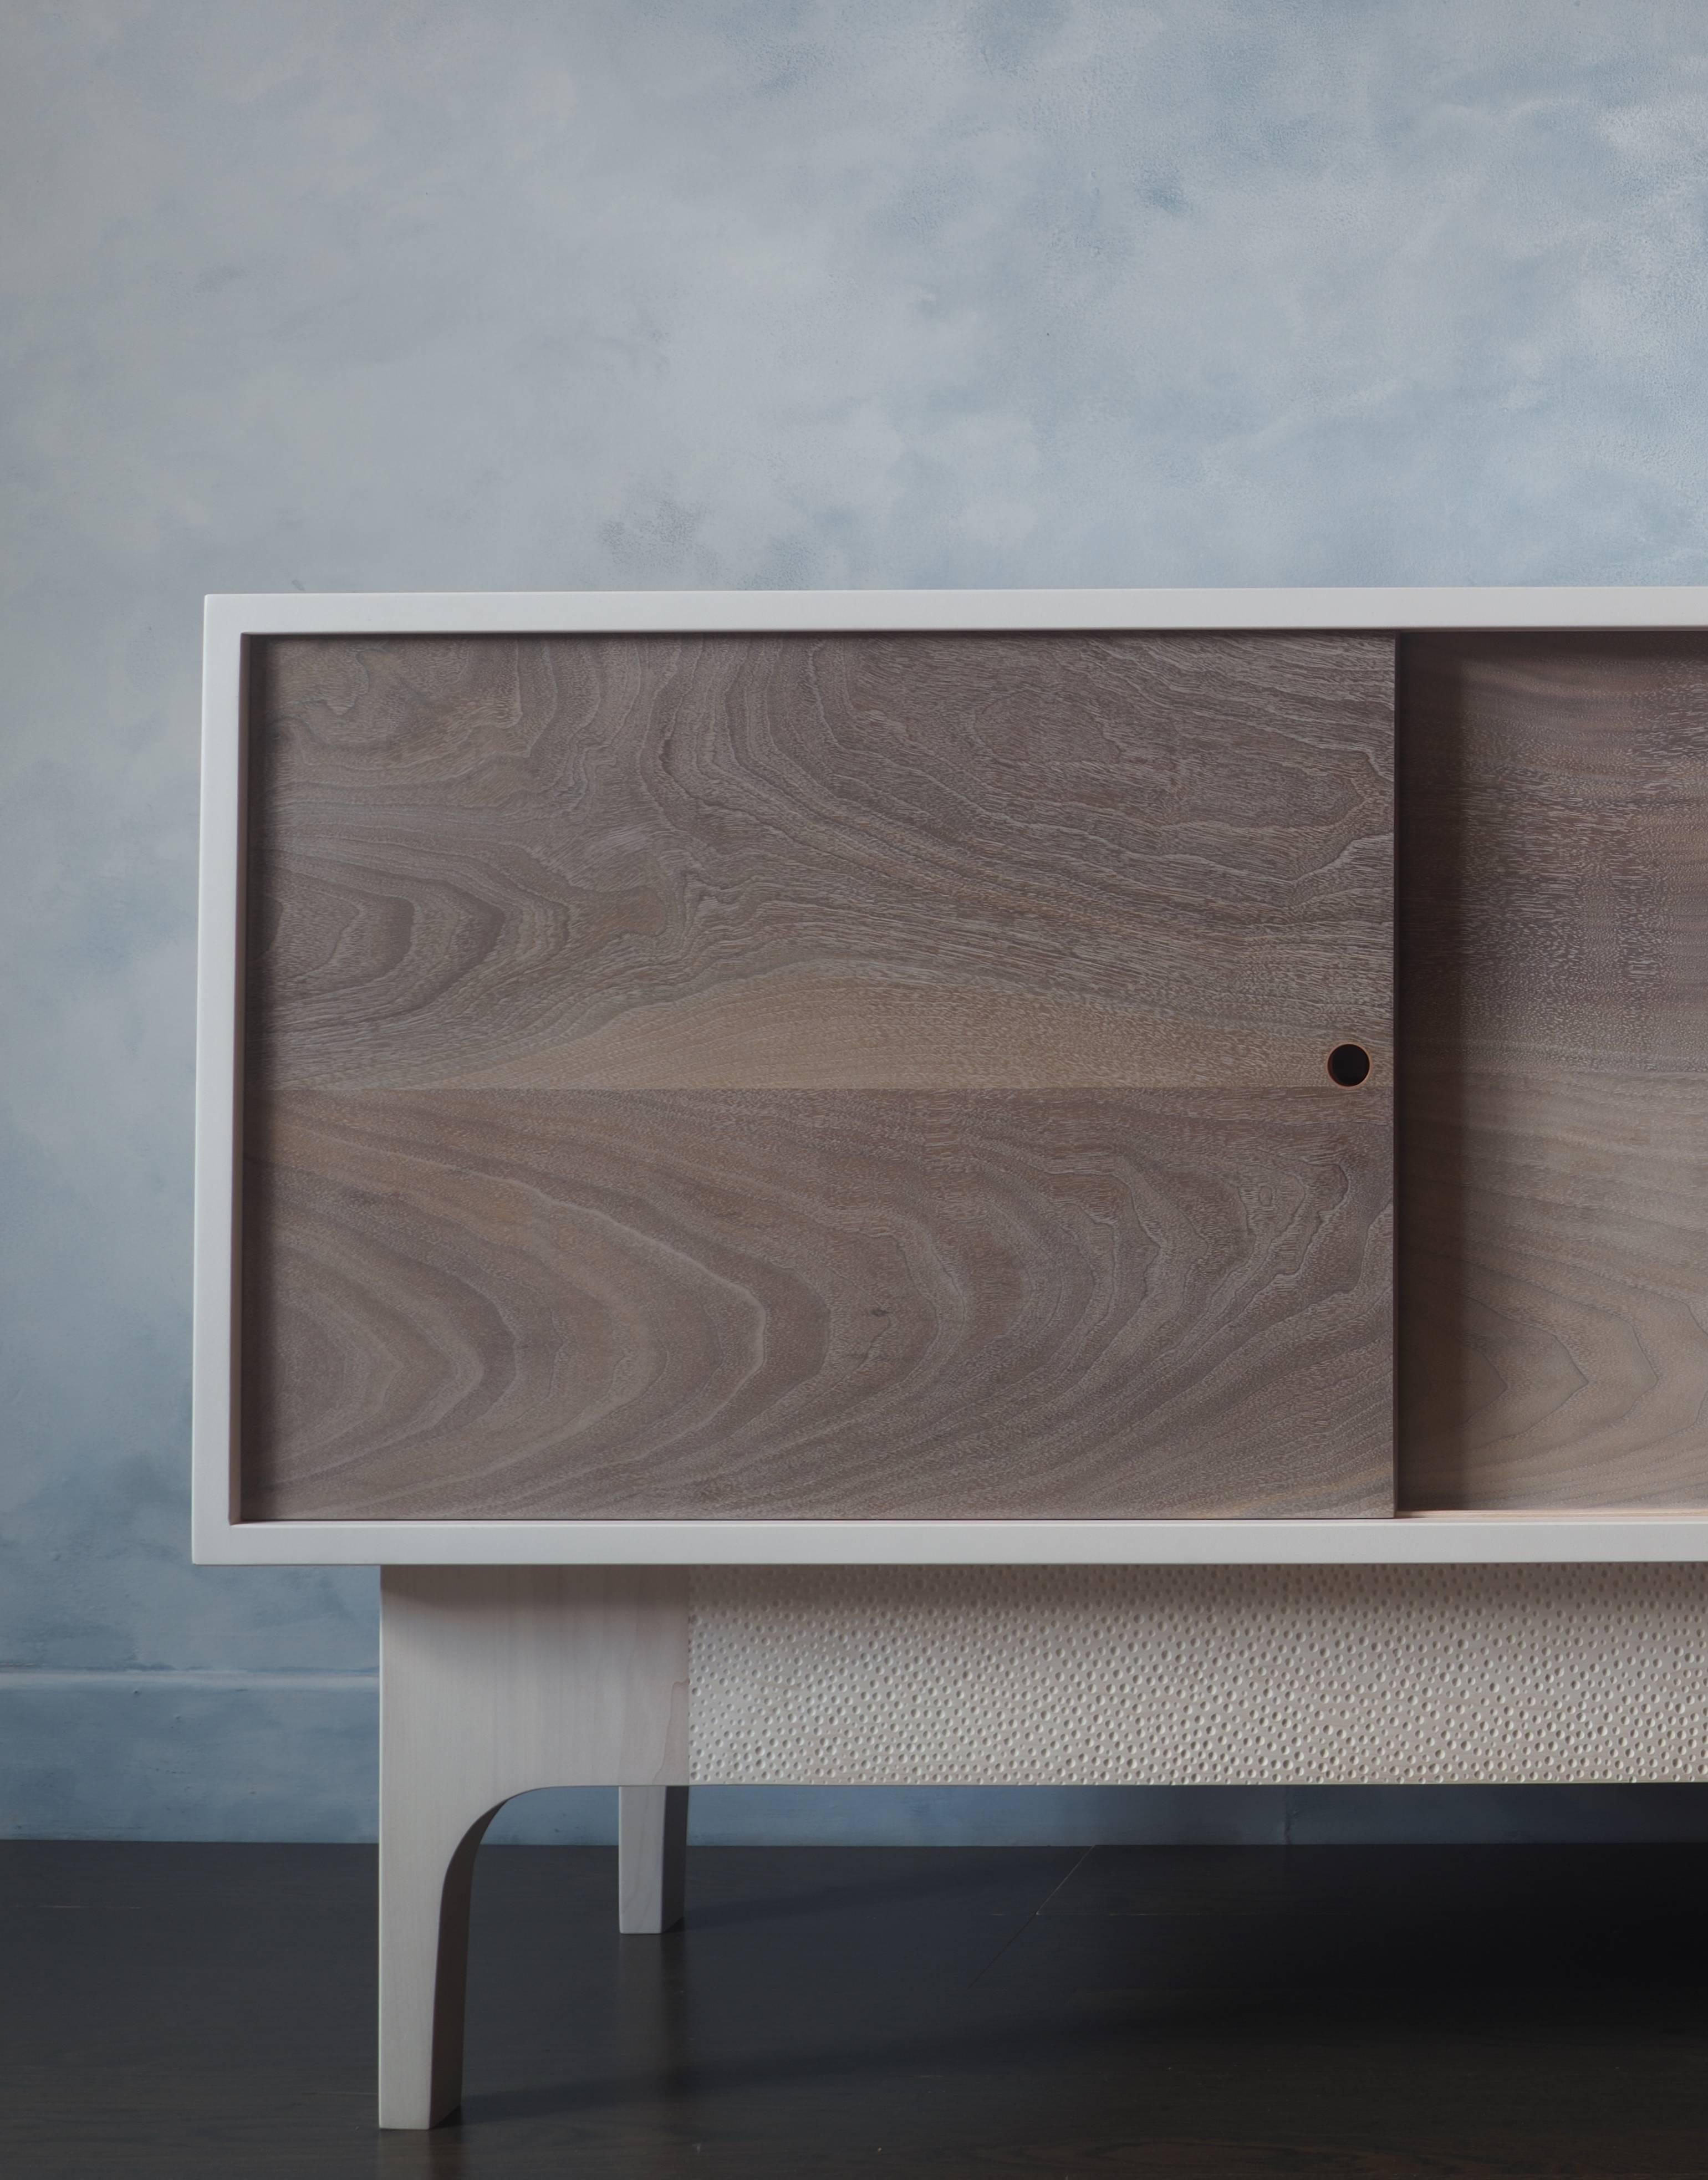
<point>847,1303</point>
<point>844,1077</point>
<point>907,861</point>
<point>1554,1102</point>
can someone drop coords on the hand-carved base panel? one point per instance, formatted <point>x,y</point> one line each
<point>1198,1675</point>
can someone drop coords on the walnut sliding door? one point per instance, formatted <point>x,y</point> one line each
<point>1554,968</point>
<point>851,1077</point>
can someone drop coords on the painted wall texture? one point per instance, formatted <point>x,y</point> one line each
<point>346,296</point>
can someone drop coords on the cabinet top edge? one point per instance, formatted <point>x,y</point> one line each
<point>1387,611</point>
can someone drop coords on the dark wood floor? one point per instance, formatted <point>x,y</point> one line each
<point>1342,2014</point>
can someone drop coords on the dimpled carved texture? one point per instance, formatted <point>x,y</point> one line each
<point>1198,1675</point>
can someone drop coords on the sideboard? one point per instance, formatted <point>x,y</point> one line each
<point>930,1185</point>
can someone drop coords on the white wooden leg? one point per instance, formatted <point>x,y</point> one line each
<point>652,1856</point>
<point>494,1681</point>
<point>424,1879</point>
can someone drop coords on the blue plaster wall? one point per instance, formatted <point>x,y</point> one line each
<point>509,294</point>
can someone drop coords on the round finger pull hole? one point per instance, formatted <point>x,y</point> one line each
<point>1348,1064</point>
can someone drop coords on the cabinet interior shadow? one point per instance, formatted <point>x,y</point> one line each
<point>819,1076</point>
<point>1552,1100</point>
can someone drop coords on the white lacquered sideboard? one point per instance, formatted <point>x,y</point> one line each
<point>769,1074</point>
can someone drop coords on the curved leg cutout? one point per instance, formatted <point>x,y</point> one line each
<point>426,1883</point>
<point>494,1681</point>
<point>451,1973</point>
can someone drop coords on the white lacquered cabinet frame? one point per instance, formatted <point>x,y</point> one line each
<point>219,1536</point>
